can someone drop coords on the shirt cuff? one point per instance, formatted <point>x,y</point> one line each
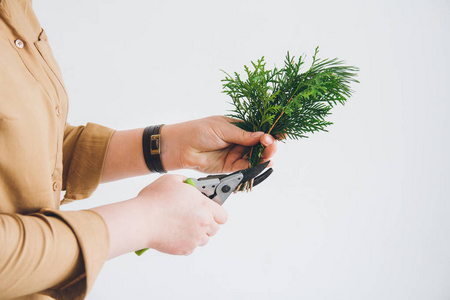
<point>85,149</point>
<point>93,238</point>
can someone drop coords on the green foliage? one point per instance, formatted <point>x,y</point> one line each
<point>286,102</point>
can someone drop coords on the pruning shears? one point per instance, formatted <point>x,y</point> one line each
<point>219,187</point>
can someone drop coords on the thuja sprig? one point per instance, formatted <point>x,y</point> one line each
<point>286,102</point>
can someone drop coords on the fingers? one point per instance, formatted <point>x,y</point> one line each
<point>213,229</point>
<point>232,134</point>
<point>204,240</point>
<point>240,164</point>
<point>235,160</point>
<point>220,217</point>
<point>236,153</point>
<point>270,144</point>
<point>219,213</point>
<point>241,138</point>
<point>266,140</point>
<point>235,156</point>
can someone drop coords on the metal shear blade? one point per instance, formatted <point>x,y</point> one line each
<point>251,173</point>
<point>248,174</point>
<point>219,187</point>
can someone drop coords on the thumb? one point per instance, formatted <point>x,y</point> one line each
<point>236,135</point>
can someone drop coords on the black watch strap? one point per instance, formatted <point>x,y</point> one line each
<point>151,146</point>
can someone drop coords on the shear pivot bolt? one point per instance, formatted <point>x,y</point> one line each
<point>226,189</point>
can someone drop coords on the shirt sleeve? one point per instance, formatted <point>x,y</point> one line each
<point>59,253</point>
<point>46,249</point>
<point>84,153</point>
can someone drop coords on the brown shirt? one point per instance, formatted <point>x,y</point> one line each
<point>44,252</point>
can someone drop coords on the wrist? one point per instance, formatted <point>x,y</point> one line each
<point>151,147</point>
<point>170,148</point>
<point>127,226</point>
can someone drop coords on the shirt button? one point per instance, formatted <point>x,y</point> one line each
<point>19,43</point>
<point>56,186</point>
<point>58,111</point>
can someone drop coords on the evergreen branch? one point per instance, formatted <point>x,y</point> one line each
<point>285,102</point>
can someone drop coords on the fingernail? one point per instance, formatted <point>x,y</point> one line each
<point>268,140</point>
<point>257,134</point>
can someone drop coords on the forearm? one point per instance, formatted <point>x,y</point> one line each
<point>124,157</point>
<point>124,220</point>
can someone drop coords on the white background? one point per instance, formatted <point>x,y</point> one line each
<point>360,212</point>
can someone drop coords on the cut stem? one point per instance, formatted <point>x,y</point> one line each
<point>282,113</point>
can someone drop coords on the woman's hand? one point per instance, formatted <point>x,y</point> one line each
<point>210,145</point>
<point>179,217</point>
<point>168,215</point>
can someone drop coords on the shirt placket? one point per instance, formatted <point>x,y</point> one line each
<point>35,60</point>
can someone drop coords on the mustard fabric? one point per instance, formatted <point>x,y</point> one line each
<point>45,253</point>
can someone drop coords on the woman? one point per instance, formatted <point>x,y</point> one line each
<point>46,253</point>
